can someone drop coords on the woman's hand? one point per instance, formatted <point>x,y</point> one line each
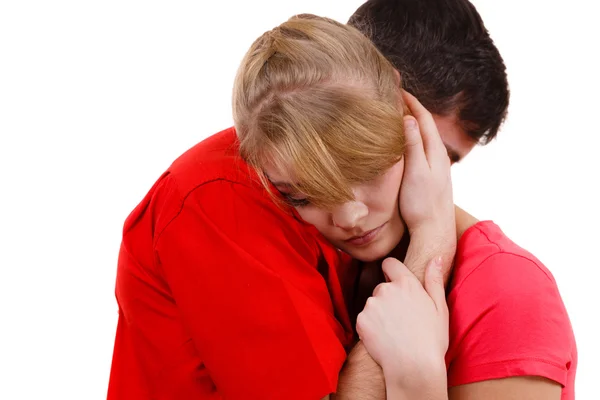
<point>425,198</point>
<point>426,191</point>
<point>404,327</point>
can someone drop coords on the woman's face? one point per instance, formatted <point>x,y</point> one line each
<point>367,228</point>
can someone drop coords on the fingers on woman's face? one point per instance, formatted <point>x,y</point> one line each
<point>430,136</point>
<point>414,153</point>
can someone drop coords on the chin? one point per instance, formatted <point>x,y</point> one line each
<point>367,257</point>
<point>371,253</point>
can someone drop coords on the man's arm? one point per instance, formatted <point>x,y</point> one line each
<point>360,366</point>
<point>502,348</point>
<point>425,202</point>
<point>517,388</point>
<point>361,377</point>
<point>361,374</point>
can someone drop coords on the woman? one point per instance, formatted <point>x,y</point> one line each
<point>225,293</point>
<point>321,123</point>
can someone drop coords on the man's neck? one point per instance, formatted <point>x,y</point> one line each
<point>464,221</point>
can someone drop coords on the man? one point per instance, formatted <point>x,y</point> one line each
<point>167,345</point>
<point>510,335</point>
<point>447,60</point>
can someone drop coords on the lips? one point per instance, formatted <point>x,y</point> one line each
<point>366,237</point>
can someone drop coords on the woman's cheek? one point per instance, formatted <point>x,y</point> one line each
<point>314,216</point>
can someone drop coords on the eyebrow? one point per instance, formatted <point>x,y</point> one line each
<point>281,184</point>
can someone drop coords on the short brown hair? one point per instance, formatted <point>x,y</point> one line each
<point>446,57</point>
<point>316,98</point>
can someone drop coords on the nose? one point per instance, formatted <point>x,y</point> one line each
<point>349,214</point>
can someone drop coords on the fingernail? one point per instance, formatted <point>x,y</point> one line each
<point>410,123</point>
<point>438,262</point>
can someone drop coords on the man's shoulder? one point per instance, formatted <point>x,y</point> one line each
<point>507,317</point>
<point>489,259</point>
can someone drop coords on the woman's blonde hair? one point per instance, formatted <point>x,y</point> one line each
<point>316,99</point>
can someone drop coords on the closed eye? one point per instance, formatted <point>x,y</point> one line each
<point>293,199</point>
<point>295,202</point>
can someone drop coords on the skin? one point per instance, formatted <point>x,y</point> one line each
<point>376,206</point>
<point>430,217</point>
<point>377,203</point>
<point>393,298</point>
<point>375,209</point>
<point>388,383</point>
<point>458,144</point>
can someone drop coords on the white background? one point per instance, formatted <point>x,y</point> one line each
<point>97,98</point>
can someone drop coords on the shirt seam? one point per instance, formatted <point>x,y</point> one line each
<point>314,243</point>
<point>500,251</point>
<point>510,360</point>
<point>184,198</point>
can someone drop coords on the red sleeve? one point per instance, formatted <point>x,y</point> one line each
<point>507,319</point>
<point>248,288</point>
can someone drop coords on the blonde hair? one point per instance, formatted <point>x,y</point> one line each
<point>316,99</point>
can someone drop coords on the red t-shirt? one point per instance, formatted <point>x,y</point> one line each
<point>506,315</point>
<point>222,293</point>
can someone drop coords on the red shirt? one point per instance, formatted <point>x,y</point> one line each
<point>506,315</point>
<point>221,293</point>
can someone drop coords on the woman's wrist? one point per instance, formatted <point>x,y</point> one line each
<point>429,383</point>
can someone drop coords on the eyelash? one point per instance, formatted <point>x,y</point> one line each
<point>296,202</point>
